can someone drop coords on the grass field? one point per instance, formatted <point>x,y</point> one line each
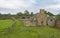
<point>5,23</point>
<point>19,31</point>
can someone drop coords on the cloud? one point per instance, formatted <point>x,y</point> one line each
<point>58,1</point>
<point>52,6</point>
<point>57,6</point>
<point>13,4</point>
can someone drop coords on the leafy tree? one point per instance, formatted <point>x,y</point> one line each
<point>6,14</point>
<point>58,17</point>
<point>19,14</point>
<point>26,13</point>
<point>9,14</point>
<point>0,14</point>
<point>49,13</point>
<point>32,14</point>
<point>45,12</point>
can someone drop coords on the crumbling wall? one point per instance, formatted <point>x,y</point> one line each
<point>58,23</point>
<point>27,23</point>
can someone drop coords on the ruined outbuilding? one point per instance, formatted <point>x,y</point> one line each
<point>40,19</point>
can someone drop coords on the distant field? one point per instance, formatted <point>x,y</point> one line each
<point>19,31</point>
<point>5,23</point>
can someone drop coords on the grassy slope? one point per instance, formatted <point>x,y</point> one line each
<point>19,31</point>
<point>5,23</point>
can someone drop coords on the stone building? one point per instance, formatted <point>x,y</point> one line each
<point>51,21</point>
<point>57,23</point>
<point>41,19</point>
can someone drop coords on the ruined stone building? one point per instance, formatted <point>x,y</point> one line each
<point>40,19</point>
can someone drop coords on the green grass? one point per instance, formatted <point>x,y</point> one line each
<point>19,31</point>
<point>5,23</point>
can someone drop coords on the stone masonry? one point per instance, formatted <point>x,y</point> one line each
<point>40,19</point>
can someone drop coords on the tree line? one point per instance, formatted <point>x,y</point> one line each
<point>27,13</point>
<point>56,16</point>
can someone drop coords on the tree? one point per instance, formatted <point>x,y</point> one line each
<point>9,14</point>
<point>45,12</point>
<point>19,14</point>
<point>0,14</point>
<point>58,17</point>
<point>6,14</point>
<point>32,14</point>
<point>49,13</point>
<point>26,13</point>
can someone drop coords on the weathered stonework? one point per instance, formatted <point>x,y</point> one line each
<point>40,19</point>
<point>57,23</point>
<point>27,22</point>
<point>51,21</point>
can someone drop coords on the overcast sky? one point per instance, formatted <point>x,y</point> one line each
<point>14,6</point>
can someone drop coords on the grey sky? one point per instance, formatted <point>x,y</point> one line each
<point>14,6</point>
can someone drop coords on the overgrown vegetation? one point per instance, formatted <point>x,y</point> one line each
<point>5,23</point>
<point>49,13</point>
<point>25,13</point>
<point>58,17</point>
<point>20,31</point>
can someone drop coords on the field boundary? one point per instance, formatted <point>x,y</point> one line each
<point>10,28</point>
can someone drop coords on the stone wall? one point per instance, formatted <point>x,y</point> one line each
<point>42,18</point>
<point>51,22</point>
<point>39,19</point>
<point>26,22</point>
<point>29,22</point>
<point>58,23</point>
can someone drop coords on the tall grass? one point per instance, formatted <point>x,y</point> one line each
<point>19,31</point>
<point>5,23</point>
